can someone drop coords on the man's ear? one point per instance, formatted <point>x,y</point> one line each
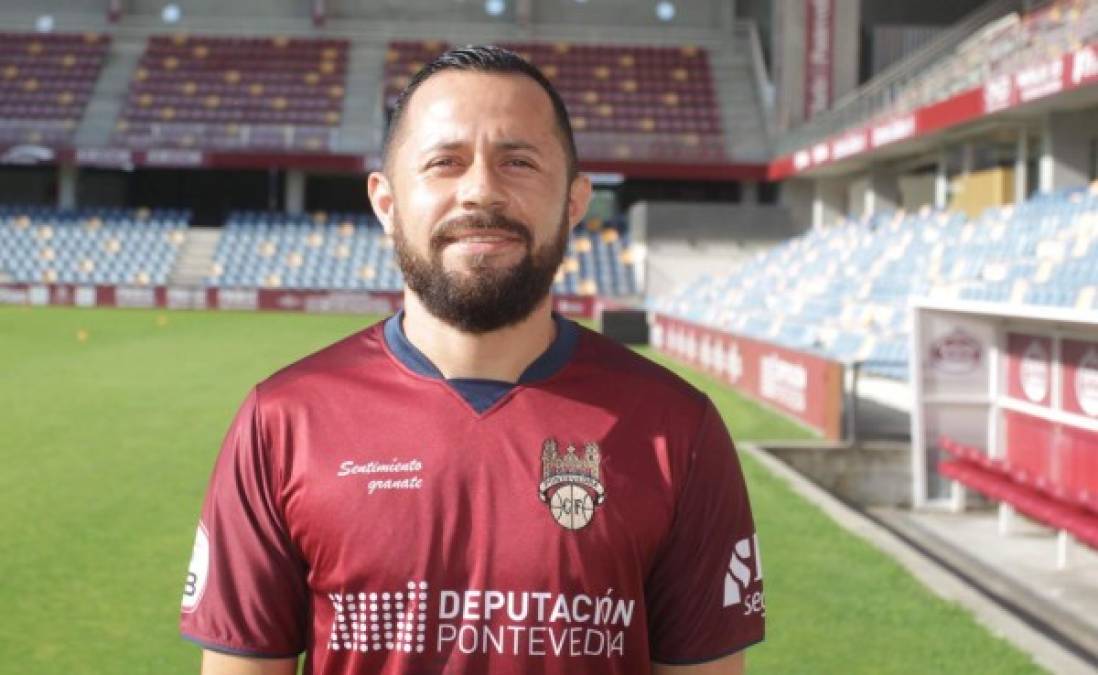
<point>579,198</point>
<point>380,192</point>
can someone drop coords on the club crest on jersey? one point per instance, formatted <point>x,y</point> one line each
<point>570,484</point>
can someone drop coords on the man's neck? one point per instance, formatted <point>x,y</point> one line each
<point>496,355</point>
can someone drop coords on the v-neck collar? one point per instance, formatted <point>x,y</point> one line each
<point>482,393</point>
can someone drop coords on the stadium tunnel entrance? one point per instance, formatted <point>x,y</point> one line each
<point>210,194</point>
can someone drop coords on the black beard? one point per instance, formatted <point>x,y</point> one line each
<point>487,298</point>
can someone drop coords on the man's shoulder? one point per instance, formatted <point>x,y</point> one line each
<point>351,354</point>
<point>635,375</point>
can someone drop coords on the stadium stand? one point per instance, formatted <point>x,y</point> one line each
<point>350,251</point>
<point>90,245</point>
<point>625,102</point>
<point>844,290</point>
<point>236,93</point>
<point>45,83</point>
<point>999,47</point>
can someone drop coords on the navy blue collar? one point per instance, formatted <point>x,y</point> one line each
<point>482,393</point>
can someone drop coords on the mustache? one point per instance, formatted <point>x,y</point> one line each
<point>448,230</point>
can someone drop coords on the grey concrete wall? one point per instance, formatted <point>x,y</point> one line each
<point>884,183</point>
<point>683,241</point>
<point>873,474</point>
<point>679,222</point>
<point>696,14</point>
<point>916,191</point>
<point>848,21</point>
<point>236,8</point>
<point>856,191</point>
<point>796,196</point>
<point>96,7</point>
<point>688,13</point>
<point>1070,142</point>
<point>831,201</point>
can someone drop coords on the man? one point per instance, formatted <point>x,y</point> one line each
<point>476,485</point>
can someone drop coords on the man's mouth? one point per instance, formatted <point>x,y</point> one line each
<point>482,241</point>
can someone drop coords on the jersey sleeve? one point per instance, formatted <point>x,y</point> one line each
<point>245,591</point>
<point>704,593</point>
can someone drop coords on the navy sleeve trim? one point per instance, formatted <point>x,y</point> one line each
<point>695,662</point>
<point>235,651</point>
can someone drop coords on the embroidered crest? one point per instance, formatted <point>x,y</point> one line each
<point>570,484</point>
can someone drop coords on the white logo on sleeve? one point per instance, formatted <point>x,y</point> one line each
<point>198,570</point>
<point>744,567</point>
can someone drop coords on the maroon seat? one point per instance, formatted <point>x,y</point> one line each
<point>46,81</point>
<point>623,100</point>
<point>235,92</point>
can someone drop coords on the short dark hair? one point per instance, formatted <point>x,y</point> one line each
<point>485,59</point>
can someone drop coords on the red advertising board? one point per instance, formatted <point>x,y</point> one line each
<point>819,55</point>
<point>802,385</point>
<point>1029,368</point>
<point>251,299</point>
<point>1080,378</point>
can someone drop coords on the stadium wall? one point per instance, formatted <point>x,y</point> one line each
<point>682,240</point>
<point>806,387</point>
<point>247,299</point>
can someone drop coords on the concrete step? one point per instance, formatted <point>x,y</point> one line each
<point>742,116</point>
<point>109,94</point>
<point>363,114</point>
<point>195,256</point>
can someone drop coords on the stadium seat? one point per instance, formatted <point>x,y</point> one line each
<point>235,93</point>
<point>627,103</point>
<point>46,80</point>
<point>350,251</point>
<point>850,284</point>
<point>91,245</point>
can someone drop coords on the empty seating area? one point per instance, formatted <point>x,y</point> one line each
<point>236,93</point>
<point>844,290</point>
<point>351,252</point>
<point>90,246</point>
<point>625,102</point>
<point>272,250</point>
<point>45,83</point>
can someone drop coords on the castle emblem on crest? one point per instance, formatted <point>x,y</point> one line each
<point>570,484</point>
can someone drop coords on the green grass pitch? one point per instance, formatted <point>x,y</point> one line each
<point>109,424</point>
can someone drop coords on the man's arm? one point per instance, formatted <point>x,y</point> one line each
<point>216,663</point>
<point>729,665</point>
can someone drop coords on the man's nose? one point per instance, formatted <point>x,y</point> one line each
<point>480,187</point>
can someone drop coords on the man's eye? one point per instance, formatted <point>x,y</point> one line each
<point>442,161</point>
<point>520,162</point>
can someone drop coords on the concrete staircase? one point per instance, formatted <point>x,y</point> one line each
<point>195,257</point>
<point>109,95</point>
<point>363,116</point>
<point>742,114</point>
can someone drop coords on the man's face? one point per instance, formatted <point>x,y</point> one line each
<point>477,198</point>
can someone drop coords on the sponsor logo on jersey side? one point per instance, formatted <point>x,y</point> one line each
<point>198,570</point>
<point>744,570</point>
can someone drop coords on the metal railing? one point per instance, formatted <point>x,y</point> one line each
<point>878,94</point>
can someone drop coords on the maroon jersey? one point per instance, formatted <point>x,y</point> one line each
<point>591,518</point>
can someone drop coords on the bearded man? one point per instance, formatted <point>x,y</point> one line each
<point>476,484</point>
